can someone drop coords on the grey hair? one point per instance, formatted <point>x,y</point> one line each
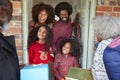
<point>106,26</point>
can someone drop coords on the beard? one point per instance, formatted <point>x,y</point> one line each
<point>64,19</point>
<point>4,23</point>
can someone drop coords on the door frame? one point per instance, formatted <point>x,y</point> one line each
<point>91,33</point>
<point>26,6</point>
<point>88,12</point>
<point>88,38</point>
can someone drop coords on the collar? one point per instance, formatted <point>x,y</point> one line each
<point>66,55</point>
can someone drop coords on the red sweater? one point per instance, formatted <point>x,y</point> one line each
<point>35,50</point>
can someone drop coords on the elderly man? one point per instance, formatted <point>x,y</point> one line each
<point>9,67</point>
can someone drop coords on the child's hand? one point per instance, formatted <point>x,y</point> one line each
<point>43,55</point>
<point>62,79</point>
<point>21,66</point>
<point>89,69</point>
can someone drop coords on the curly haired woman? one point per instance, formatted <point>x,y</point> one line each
<point>41,14</point>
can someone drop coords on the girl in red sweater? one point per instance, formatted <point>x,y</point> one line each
<point>39,43</point>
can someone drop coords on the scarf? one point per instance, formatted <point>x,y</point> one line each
<point>98,68</point>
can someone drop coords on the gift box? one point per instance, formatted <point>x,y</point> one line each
<point>79,74</point>
<point>39,72</point>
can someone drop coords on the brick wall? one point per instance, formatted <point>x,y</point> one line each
<point>15,27</point>
<point>108,7</point>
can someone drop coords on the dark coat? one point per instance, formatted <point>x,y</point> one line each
<point>9,66</point>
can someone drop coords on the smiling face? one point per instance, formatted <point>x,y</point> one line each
<point>42,17</point>
<point>42,33</point>
<point>66,49</point>
<point>64,15</point>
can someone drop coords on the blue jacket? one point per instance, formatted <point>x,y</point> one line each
<point>111,58</point>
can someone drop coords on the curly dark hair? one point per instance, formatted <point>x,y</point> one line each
<point>33,36</point>
<point>75,47</point>
<point>41,6</point>
<point>63,6</point>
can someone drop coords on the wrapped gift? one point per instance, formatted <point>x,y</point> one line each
<point>38,72</point>
<point>78,74</point>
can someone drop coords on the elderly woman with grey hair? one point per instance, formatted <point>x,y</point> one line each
<point>106,62</point>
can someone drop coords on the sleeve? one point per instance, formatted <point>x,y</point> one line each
<point>55,38</point>
<point>50,56</point>
<point>75,63</point>
<point>31,55</point>
<point>55,69</point>
<point>54,47</point>
<point>55,33</point>
<point>111,60</point>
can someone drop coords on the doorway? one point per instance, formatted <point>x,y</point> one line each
<point>86,8</point>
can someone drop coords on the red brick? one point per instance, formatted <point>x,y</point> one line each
<point>104,8</point>
<point>16,4</point>
<point>18,44</point>
<point>14,30</point>
<point>119,3</point>
<point>18,41</point>
<point>20,53</point>
<point>117,9</point>
<point>115,14</point>
<point>19,47</point>
<point>119,15</point>
<point>113,3</point>
<point>99,13</point>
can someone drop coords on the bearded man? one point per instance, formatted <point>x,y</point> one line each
<point>9,66</point>
<point>62,28</point>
